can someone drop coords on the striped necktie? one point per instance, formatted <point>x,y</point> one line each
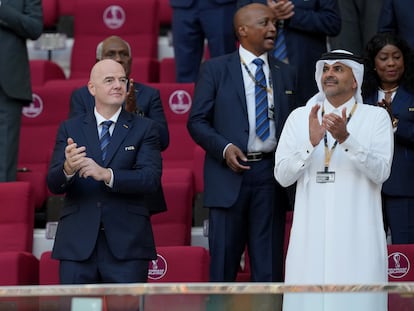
<point>280,50</point>
<point>262,121</point>
<point>105,137</point>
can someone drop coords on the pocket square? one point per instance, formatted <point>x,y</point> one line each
<point>128,148</point>
<point>411,109</point>
<point>288,92</point>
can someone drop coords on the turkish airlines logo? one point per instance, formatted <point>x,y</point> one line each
<point>180,101</point>
<point>398,265</point>
<point>157,268</point>
<point>35,108</point>
<point>114,16</point>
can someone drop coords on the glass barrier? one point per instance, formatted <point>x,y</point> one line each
<point>208,297</point>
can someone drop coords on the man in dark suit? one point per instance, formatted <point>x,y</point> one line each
<point>141,99</point>
<point>306,25</point>
<point>246,205</point>
<point>397,16</point>
<point>193,22</point>
<point>104,233</point>
<point>19,20</point>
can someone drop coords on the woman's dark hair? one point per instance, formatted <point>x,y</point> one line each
<point>371,78</point>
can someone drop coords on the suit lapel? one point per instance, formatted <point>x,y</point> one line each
<point>278,88</point>
<point>121,130</point>
<point>90,131</point>
<point>236,76</point>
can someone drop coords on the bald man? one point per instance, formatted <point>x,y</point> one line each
<point>246,204</point>
<point>104,233</point>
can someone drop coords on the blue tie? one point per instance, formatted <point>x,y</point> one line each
<point>105,137</point>
<point>280,51</point>
<point>262,121</point>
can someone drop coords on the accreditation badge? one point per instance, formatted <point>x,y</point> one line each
<point>325,177</point>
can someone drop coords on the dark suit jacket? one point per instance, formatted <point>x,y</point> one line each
<point>148,102</point>
<point>402,170</point>
<point>135,158</point>
<point>306,32</point>
<point>219,117</point>
<point>397,16</point>
<point>19,20</point>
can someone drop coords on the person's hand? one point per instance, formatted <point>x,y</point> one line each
<point>232,155</point>
<point>89,168</point>
<point>74,156</point>
<point>130,101</point>
<point>336,125</point>
<point>316,130</point>
<point>283,9</point>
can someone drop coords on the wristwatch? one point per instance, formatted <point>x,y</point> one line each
<point>394,122</point>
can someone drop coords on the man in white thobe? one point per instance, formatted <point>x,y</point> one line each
<point>339,151</point>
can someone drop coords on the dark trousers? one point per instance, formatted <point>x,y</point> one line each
<point>256,219</point>
<point>10,121</point>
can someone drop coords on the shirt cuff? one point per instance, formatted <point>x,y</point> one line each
<point>110,184</point>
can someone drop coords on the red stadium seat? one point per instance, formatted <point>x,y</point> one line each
<point>173,227</point>
<point>42,71</point>
<point>167,70</point>
<point>66,7</point>
<point>48,269</point>
<point>137,22</point>
<point>177,100</point>
<point>400,269</point>
<point>18,266</point>
<point>144,70</point>
<point>178,264</point>
<point>40,122</point>
<point>50,13</point>
<point>165,13</point>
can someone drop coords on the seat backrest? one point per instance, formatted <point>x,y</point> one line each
<point>145,70</point>
<point>40,121</point>
<point>177,101</point>
<point>173,227</point>
<point>400,262</point>
<point>50,13</point>
<point>66,7</point>
<point>180,264</point>
<point>42,71</point>
<point>16,217</point>
<point>137,22</point>
<point>165,13</point>
<point>167,70</point>
<point>400,269</point>
<point>48,269</point>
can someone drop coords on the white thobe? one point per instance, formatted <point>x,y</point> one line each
<point>337,235</point>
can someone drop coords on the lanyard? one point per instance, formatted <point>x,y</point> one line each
<point>264,87</point>
<point>328,153</point>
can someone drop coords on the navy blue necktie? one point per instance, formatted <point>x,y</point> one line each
<point>105,137</point>
<point>280,50</point>
<point>262,121</point>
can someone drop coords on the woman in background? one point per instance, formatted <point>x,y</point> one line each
<point>389,83</point>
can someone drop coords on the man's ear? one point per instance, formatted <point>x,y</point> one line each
<point>91,88</point>
<point>241,31</point>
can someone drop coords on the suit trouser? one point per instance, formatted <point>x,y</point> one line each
<point>10,122</point>
<point>400,217</point>
<point>190,27</point>
<point>256,219</point>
